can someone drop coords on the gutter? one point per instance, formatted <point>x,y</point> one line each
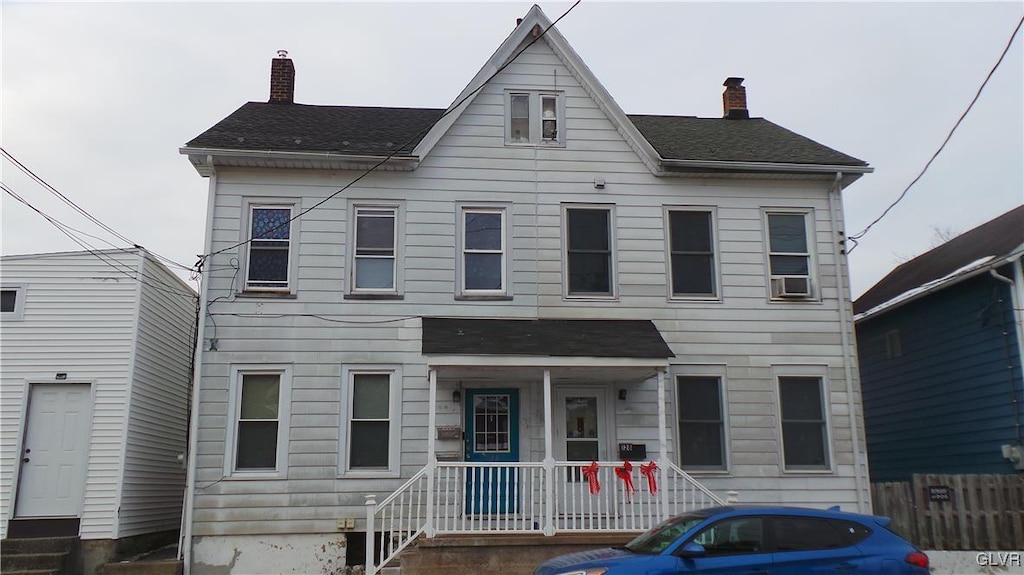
<point>212,154</point>
<point>768,167</point>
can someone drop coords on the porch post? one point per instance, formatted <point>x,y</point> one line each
<point>431,451</point>
<point>549,459</point>
<point>663,444</point>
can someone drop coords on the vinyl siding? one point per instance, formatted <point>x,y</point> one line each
<point>79,314</point>
<point>153,484</point>
<point>946,405</point>
<point>471,163</point>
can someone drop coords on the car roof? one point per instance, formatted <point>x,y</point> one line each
<point>741,510</point>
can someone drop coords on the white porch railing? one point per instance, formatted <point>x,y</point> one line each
<point>523,497</point>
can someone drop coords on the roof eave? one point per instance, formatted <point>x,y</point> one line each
<point>206,159</point>
<point>853,171</point>
<point>896,303</point>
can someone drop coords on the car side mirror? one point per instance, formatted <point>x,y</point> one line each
<point>692,549</point>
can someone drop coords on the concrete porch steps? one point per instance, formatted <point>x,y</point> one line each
<point>38,555</point>
<point>162,561</point>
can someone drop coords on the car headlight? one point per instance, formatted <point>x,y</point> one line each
<point>591,571</point>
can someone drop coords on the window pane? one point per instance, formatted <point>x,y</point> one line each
<point>370,395</point>
<point>690,231</point>
<point>369,447</point>
<point>483,271</point>
<point>376,231</point>
<point>257,445</point>
<point>693,274</point>
<point>268,266</point>
<point>581,417</point>
<point>787,233</point>
<point>805,534</point>
<point>260,396</point>
<point>483,231</point>
<point>803,444</point>
<point>801,398</point>
<point>701,444</point>
<point>789,265</point>
<point>589,273</point>
<point>733,536</point>
<point>519,123</point>
<point>588,230</point>
<point>8,298</point>
<point>699,398</point>
<point>375,273</point>
<point>271,223</point>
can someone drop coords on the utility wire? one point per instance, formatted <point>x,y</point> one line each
<point>415,138</point>
<point>1006,50</point>
<point>82,210</point>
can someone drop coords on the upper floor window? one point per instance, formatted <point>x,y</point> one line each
<point>483,251</point>
<point>12,301</point>
<point>374,249</point>
<point>789,255</point>
<point>534,118</point>
<point>804,427</point>
<point>692,253</point>
<point>589,258</point>
<point>269,264</point>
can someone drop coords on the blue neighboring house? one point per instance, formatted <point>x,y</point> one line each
<point>940,344</point>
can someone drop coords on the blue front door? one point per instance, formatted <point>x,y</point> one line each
<point>492,436</point>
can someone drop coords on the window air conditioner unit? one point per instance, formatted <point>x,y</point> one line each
<point>792,286</point>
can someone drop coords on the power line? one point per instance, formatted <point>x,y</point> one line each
<point>1006,50</point>
<point>82,210</point>
<point>415,138</point>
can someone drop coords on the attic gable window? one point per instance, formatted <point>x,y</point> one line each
<point>534,118</point>
<point>12,301</point>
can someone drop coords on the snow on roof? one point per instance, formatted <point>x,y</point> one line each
<point>927,287</point>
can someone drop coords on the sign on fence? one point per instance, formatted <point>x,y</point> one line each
<point>955,512</point>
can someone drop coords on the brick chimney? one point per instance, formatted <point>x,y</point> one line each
<point>734,99</point>
<point>282,79</point>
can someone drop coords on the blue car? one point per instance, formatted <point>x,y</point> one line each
<point>754,541</point>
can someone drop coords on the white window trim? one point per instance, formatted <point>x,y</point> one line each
<point>535,117</point>
<point>820,372</point>
<point>460,246</point>
<point>612,243</point>
<point>399,269</point>
<point>395,416</point>
<point>704,370</point>
<point>19,301</point>
<point>245,230</point>
<point>284,371</point>
<point>812,259</point>
<point>716,254</point>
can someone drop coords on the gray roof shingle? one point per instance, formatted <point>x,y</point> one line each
<point>998,237</point>
<point>544,337</point>
<point>363,130</point>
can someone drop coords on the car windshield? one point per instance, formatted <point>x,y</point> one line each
<point>659,537</point>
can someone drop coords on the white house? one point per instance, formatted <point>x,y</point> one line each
<point>96,350</point>
<point>457,311</point>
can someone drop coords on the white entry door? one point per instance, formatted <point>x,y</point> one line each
<point>54,453</point>
<point>581,425</point>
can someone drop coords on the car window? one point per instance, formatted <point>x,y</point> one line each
<point>805,533</point>
<point>852,531</point>
<point>658,538</point>
<point>733,536</point>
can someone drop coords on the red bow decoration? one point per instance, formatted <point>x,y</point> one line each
<point>590,472</point>
<point>625,473</point>
<point>648,470</point>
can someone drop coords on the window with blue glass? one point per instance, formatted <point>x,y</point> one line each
<point>483,251</point>
<point>269,248</point>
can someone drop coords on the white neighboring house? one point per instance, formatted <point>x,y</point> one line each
<point>529,284</point>
<point>96,350</point>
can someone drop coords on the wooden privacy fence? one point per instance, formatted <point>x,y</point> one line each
<point>955,512</point>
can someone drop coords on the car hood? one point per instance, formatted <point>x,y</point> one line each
<point>592,558</point>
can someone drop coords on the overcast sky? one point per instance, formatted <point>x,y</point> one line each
<point>97,98</point>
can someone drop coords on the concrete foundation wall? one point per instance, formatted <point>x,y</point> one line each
<point>268,554</point>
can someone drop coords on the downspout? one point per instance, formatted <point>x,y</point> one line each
<point>185,543</point>
<point>1016,297</point>
<point>845,323</point>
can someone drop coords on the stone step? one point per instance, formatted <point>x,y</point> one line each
<point>156,567</point>
<point>29,561</point>
<point>38,545</point>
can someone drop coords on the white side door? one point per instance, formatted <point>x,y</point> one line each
<point>55,450</point>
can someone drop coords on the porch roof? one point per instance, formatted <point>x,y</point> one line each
<point>607,338</point>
